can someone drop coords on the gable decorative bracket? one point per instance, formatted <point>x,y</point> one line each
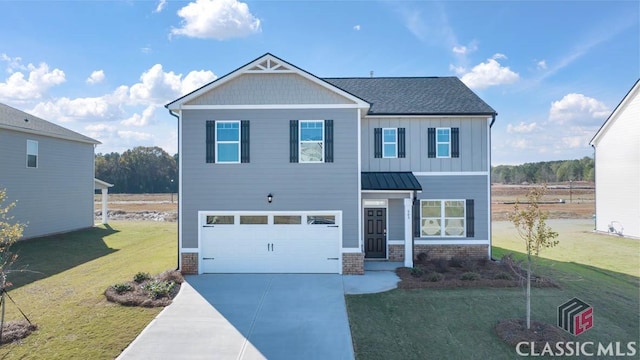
<point>269,66</point>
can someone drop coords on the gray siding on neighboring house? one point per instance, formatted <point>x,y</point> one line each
<point>396,219</point>
<point>269,89</point>
<point>58,195</point>
<point>460,187</point>
<point>473,145</point>
<point>295,186</point>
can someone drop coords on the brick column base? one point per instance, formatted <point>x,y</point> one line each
<point>353,263</point>
<point>189,264</point>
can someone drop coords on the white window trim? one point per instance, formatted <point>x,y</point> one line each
<point>440,142</point>
<point>395,143</point>
<point>36,154</point>
<point>228,142</point>
<point>300,142</point>
<point>443,218</point>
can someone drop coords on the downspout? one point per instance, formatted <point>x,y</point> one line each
<point>493,120</point>
<point>595,191</point>
<point>178,214</point>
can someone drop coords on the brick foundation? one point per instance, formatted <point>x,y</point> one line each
<point>189,264</point>
<point>353,263</point>
<point>396,252</point>
<point>448,251</point>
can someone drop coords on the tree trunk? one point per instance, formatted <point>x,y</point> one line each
<point>529,291</point>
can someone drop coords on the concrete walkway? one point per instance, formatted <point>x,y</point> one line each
<point>257,316</point>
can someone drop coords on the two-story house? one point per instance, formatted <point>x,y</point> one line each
<point>282,171</point>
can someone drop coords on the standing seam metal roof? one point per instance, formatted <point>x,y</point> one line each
<point>381,180</point>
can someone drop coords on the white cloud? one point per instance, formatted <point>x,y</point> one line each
<point>96,77</point>
<point>217,19</point>
<point>13,64</point>
<point>499,56</point>
<point>39,80</point>
<point>460,49</point>
<point>356,28</point>
<point>162,4</point>
<point>578,107</point>
<point>464,50</point>
<point>490,73</point>
<point>522,128</point>
<point>542,65</point>
<point>159,87</point>
<point>457,69</point>
<point>90,109</point>
<point>521,144</point>
<point>573,142</point>
<point>141,119</point>
<point>135,135</point>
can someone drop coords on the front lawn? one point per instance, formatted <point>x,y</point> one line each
<point>459,323</point>
<point>64,293</point>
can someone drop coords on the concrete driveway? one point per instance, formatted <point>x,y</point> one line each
<point>250,316</point>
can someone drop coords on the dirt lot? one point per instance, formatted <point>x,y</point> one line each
<point>562,202</point>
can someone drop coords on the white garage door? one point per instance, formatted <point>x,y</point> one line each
<point>270,242</point>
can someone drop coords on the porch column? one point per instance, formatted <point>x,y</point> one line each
<point>105,207</point>
<point>408,233</point>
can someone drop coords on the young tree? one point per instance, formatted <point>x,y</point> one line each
<point>10,232</point>
<point>530,221</point>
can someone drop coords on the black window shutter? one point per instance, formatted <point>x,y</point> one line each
<point>455,142</point>
<point>377,142</point>
<point>211,141</point>
<point>416,218</point>
<point>244,141</point>
<point>293,141</point>
<point>431,142</point>
<point>328,141</point>
<point>470,218</point>
<point>401,143</point>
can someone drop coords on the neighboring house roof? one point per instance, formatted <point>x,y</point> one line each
<point>99,184</point>
<point>415,95</point>
<point>380,180</point>
<point>17,120</point>
<point>634,91</point>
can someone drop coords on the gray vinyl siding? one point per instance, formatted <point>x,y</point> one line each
<point>474,145</point>
<point>460,187</point>
<point>55,197</point>
<point>269,89</point>
<point>294,186</point>
<point>396,219</point>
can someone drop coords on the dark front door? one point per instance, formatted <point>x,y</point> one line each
<point>375,232</point>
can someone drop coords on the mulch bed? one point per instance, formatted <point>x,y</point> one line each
<point>465,273</point>
<point>13,331</point>
<point>514,331</point>
<point>140,296</point>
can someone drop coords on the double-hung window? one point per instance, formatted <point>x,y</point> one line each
<point>311,141</point>
<point>227,142</point>
<point>443,142</point>
<point>32,154</point>
<point>443,218</point>
<point>389,142</point>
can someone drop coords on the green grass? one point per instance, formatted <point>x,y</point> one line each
<point>64,293</point>
<point>459,323</point>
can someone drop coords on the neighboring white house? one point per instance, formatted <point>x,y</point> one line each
<point>617,157</point>
<point>48,171</point>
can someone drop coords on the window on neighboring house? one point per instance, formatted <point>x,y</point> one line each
<point>311,141</point>
<point>389,143</point>
<point>443,143</point>
<point>32,154</point>
<point>443,218</point>
<point>227,141</point>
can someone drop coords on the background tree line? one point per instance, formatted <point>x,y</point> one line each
<point>139,170</point>
<point>545,172</point>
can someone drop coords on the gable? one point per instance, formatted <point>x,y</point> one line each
<point>625,116</point>
<point>262,88</point>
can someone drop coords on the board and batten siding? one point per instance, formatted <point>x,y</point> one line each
<point>617,162</point>
<point>460,187</point>
<point>245,186</point>
<point>55,197</point>
<point>474,144</point>
<point>395,214</point>
<point>269,89</point>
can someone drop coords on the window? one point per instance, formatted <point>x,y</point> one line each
<point>227,141</point>
<point>220,220</point>
<point>443,218</point>
<point>321,219</point>
<point>389,143</point>
<point>253,219</point>
<point>287,219</point>
<point>443,142</point>
<point>311,141</point>
<point>32,154</point>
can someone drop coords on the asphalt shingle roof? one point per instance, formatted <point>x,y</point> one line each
<point>402,180</point>
<point>14,119</point>
<point>414,95</point>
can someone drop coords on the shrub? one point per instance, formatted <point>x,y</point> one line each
<point>503,275</point>
<point>122,288</point>
<point>423,257</point>
<point>470,276</point>
<point>457,261</point>
<point>442,265</point>
<point>158,289</point>
<point>434,277</point>
<point>141,276</point>
<point>417,271</point>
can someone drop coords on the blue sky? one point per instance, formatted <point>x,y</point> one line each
<point>553,70</point>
